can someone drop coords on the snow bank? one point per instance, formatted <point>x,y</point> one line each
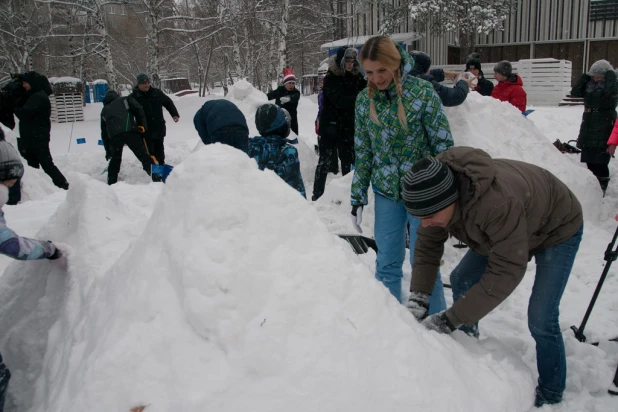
<point>247,98</point>
<point>44,309</point>
<point>237,300</point>
<point>500,129</point>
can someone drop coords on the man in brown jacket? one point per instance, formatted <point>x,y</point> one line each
<point>506,212</point>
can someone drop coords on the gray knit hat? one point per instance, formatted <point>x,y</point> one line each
<point>142,78</point>
<point>429,187</point>
<point>11,166</point>
<point>599,68</point>
<point>504,68</point>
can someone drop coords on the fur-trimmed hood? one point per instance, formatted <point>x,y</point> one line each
<point>334,66</point>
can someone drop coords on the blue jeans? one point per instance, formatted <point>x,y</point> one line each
<point>553,267</point>
<point>390,234</point>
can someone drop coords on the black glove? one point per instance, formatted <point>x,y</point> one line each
<point>440,323</point>
<point>57,254</point>
<point>108,155</point>
<point>418,305</point>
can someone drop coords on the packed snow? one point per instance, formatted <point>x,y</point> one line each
<point>225,290</point>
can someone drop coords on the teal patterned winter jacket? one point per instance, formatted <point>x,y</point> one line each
<point>385,151</point>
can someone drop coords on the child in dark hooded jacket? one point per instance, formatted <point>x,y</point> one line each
<point>272,150</point>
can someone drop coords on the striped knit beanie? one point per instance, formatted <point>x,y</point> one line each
<point>429,187</point>
<point>289,78</point>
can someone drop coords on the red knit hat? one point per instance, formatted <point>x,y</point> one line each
<point>289,78</point>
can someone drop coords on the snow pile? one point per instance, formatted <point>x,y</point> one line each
<point>246,97</point>
<point>101,81</point>
<point>184,320</point>
<point>500,129</point>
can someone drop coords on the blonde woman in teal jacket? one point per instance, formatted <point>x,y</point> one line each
<point>399,120</point>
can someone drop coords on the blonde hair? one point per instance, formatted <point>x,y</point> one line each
<point>383,50</point>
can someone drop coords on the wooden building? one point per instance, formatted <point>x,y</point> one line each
<point>581,31</point>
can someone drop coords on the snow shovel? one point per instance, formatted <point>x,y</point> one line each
<point>162,170</point>
<point>154,159</point>
<point>360,244</point>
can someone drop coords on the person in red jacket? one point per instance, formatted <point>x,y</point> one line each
<point>509,87</point>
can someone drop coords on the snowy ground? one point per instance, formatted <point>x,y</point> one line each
<point>224,290</point>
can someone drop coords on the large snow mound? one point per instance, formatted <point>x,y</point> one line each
<point>501,130</point>
<point>234,297</point>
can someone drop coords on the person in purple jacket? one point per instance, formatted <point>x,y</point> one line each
<point>11,244</point>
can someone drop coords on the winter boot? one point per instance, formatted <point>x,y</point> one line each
<point>541,399</point>
<point>156,178</point>
<point>604,182</point>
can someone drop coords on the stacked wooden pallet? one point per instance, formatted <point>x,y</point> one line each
<point>67,108</point>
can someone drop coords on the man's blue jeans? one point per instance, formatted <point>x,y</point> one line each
<point>553,267</point>
<point>391,220</point>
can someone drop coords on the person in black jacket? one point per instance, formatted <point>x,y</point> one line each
<point>287,97</point>
<point>484,86</point>
<point>450,96</point>
<point>342,84</point>
<point>220,121</point>
<point>12,95</point>
<point>599,89</point>
<point>122,121</point>
<point>35,126</point>
<point>152,101</point>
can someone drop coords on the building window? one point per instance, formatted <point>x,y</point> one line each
<point>603,10</point>
<point>111,10</point>
<point>123,10</point>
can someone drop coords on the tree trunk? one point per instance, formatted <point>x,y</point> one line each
<point>101,29</point>
<point>272,68</point>
<point>283,33</point>
<point>212,44</point>
<point>466,45</point>
<point>236,54</point>
<point>152,66</point>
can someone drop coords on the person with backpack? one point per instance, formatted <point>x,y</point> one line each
<point>272,150</point>
<point>35,126</point>
<point>122,123</point>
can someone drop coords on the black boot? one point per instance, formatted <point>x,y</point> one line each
<point>604,182</point>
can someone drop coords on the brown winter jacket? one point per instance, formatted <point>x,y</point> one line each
<point>508,211</point>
